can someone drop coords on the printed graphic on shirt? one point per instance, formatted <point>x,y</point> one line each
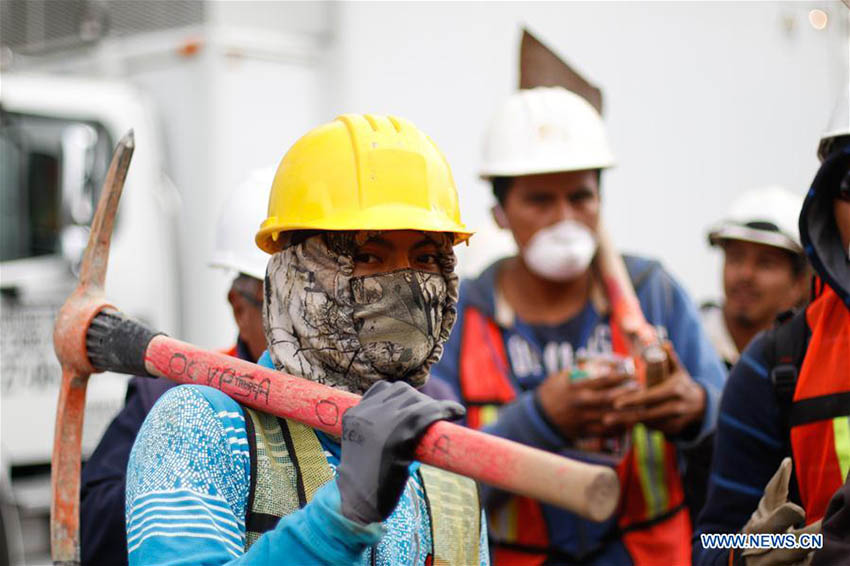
<point>531,364</point>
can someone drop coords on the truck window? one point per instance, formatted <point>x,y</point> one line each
<point>51,171</point>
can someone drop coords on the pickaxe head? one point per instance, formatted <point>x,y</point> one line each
<point>540,66</point>
<point>69,342</point>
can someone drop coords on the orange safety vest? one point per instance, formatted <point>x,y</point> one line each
<point>820,412</point>
<point>652,519</point>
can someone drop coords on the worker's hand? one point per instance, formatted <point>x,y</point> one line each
<point>577,408</point>
<point>670,406</point>
<point>775,514</point>
<point>379,437</point>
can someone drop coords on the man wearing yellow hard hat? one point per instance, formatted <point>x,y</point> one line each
<point>360,295</point>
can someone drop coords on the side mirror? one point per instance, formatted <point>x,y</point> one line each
<point>78,143</point>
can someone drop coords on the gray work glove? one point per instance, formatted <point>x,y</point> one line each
<point>379,437</point>
<point>775,514</point>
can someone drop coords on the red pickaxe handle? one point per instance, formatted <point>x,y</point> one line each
<point>588,490</point>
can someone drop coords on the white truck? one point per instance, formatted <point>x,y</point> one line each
<point>56,140</point>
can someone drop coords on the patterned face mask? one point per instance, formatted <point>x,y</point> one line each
<point>349,332</point>
<point>398,318</point>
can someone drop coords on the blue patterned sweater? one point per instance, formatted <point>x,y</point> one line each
<point>187,492</point>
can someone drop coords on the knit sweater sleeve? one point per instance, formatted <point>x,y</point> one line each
<point>187,490</point>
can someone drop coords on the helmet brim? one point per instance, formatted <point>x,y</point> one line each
<point>382,218</point>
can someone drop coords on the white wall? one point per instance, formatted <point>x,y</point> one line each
<point>259,108</point>
<point>249,93</point>
<point>702,99</point>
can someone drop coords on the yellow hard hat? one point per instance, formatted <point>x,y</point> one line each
<point>362,172</point>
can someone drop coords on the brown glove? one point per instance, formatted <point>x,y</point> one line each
<point>775,514</point>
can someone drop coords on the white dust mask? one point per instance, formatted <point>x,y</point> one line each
<point>560,252</point>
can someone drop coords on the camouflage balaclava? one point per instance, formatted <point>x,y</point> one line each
<point>326,325</point>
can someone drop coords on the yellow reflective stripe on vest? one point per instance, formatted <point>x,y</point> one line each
<point>488,414</point>
<point>275,478</point>
<point>841,428</point>
<point>503,521</point>
<point>455,512</point>
<point>310,457</point>
<point>649,459</point>
<point>455,516</point>
<point>279,475</point>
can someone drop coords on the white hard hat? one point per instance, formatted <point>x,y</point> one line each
<point>764,216</point>
<point>241,216</point>
<point>545,130</point>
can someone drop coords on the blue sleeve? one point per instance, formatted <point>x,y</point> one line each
<point>187,489</point>
<point>316,534</point>
<point>439,390</point>
<point>666,303</point>
<point>523,421</point>
<point>102,532</point>
<point>188,481</point>
<point>749,447</point>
